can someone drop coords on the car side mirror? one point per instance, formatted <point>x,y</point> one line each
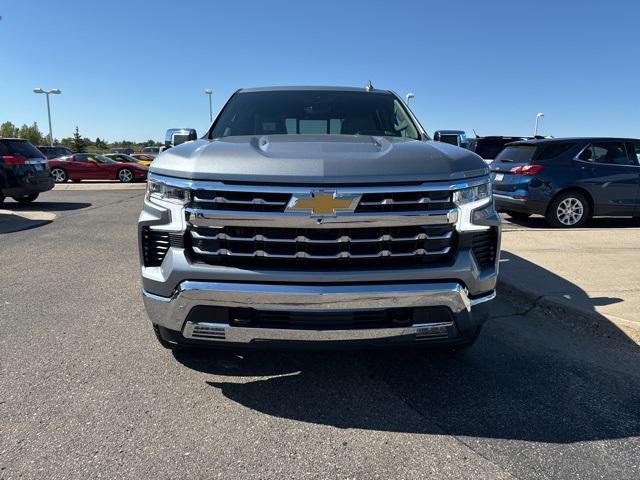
<point>176,136</point>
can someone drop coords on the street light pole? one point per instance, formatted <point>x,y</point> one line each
<point>54,91</point>
<point>539,115</point>
<point>408,97</point>
<point>209,92</point>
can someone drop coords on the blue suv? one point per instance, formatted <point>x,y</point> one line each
<point>568,180</point>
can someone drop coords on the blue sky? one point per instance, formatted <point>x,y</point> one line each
<point>131,69</point>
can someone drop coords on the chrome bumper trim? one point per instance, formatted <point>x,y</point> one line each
<point>172,312</point>
<point>226,333</point>
<point>507,197</point>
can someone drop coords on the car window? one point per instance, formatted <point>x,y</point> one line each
<point>21,148</point>
<point>516,154</point>
<point>553,150</point>
<point>103,159</point>
<point>611,153</point>
<point>635,152</point>
<point>81,158</point>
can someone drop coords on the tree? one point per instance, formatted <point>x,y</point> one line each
<point>78,143</point>
<point>8,129</point>
<point>100,144</point>
<point>31,133</point>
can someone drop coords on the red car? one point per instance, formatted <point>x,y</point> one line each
<point>92,166</point>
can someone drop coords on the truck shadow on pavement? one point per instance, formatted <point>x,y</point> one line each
<point>532,376</point>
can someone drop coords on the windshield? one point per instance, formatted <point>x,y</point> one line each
<point>314,112</point>
<point>103,159</point>
<point>516,154</point>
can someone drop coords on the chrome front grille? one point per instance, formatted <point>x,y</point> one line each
<point>272,199</point>
<point>277,247</point>
<point>270,226</point>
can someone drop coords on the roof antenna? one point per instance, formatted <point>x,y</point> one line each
<point>368,87</point>
<point>475,133</point>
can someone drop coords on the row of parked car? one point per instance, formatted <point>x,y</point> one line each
<point>567,180</point>
<point>27,171</point>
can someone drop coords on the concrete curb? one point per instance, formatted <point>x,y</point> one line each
<point>571,314</point>
<point>100,186</point>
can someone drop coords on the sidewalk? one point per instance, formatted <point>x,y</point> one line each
<point>590,273</point>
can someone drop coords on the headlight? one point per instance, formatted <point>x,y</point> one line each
<point>472,194</point>
<point>168,193</point>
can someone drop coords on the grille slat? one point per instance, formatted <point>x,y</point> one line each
<point>322,248</point>
<point>304,239</point>
<point>155,245</point>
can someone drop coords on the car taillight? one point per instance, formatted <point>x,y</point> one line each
<point>526,169</point>
<point>14,159</point>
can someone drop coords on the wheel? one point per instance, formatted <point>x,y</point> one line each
<point>26,198</point>
<point>518,215</point>
<point>59,175</point>
<point>568,210</point>
<point>125,175</point>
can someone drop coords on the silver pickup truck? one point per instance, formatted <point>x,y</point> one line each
<point>313,215</point>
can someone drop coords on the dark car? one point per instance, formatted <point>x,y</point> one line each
<point>125,150</point>
<point>568,180</point>
<point>54,152</point>
<point>489,147</point>
<point>24,172</point>
<point>151,150</point>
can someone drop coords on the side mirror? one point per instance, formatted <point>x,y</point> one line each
<point>176,136</point>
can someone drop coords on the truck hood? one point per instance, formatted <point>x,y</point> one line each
<point>318,159</point>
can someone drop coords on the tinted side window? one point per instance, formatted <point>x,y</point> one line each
<point>22,148</point>
<point>553,150</point>
<point>635,152</point>
<point>80,158</point>
<point>611,153</point>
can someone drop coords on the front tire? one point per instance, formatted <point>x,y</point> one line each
<point>568,210</point>
<point>125,176</point>
<point>26,198</point>
<point>59,175</point>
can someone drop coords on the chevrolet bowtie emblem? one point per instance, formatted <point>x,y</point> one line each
<point>323,203</point>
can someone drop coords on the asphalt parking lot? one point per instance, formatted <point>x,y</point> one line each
<point>86,391</point>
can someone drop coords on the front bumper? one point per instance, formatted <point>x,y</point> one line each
<point>172,313</point>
